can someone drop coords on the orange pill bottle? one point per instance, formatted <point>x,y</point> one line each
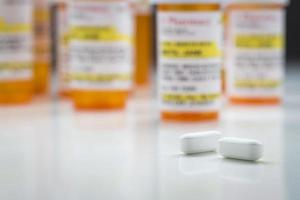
<point>189,40</point>
<point>42,48</point>
<point>255,51</point>
<point>101,53</point>
<point>61,46</point>
<point>16,53</point>
<point>143,42</point>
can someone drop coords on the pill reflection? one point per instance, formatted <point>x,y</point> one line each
<point>242,171</point>
<point>198,164</point>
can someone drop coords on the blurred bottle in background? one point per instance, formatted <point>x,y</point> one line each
<point>42,60</point>
<point>255,51</point>
<point>223,67</point>
<point>143,42</point>
<point>189,59</point>
<point>101,53</point>
<point>61,50</point>
<point>16,54</point>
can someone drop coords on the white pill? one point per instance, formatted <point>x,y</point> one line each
<point>242,149</point>
<point>200,142</point>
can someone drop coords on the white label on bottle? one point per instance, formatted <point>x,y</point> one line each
<point>255,53</point>
<point>16,40</point>
<point>101,54</point>
<point>189,61</point>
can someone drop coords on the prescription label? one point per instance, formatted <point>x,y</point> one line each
<point>255,53</point>
<point>189,60</point>
<point>15,40</point>
<point>101,54</point>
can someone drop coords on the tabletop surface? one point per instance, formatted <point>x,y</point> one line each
<point>50,152</point>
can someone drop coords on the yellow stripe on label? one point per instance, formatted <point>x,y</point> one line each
<point>99,77</point>
<point>205,49</point>
<point>267,41</point>
<point>64,39</point>
<point>105,33</point>
<point>190,98</point>
<point>257,83</point>
<point>14,27</point>
<point>15,66</point>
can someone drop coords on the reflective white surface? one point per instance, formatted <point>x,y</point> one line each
<point>50,152</point>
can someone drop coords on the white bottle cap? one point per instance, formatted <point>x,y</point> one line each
<point>186,1</point>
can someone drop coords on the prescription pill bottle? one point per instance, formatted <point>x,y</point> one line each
<point>42,60</point>
<point>255,51</point>
<point>189,40</point>
<point>16,53</point>
<point>223,66</point>
<point>61,32</point>
<point>101,53</point>
<point>143,42</point>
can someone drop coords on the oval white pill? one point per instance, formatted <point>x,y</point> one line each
<point>200,142</point>
<point>242,149</point>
